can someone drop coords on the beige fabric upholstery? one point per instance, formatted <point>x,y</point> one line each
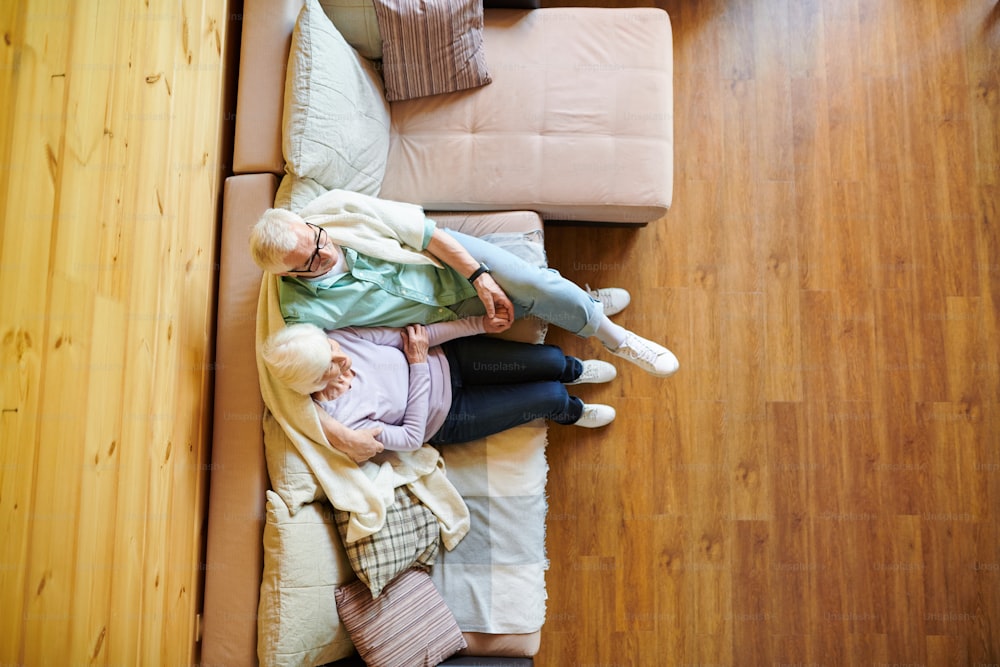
<point>511,646</point>
<point>234,558</point>
<point>267,37</point>
<point>577,124</point>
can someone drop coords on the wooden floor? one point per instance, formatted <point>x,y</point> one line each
<point>111,153</point>
<point>820,483</point>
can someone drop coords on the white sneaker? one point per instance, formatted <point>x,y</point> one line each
<point>613,299</point>
<point>595,415</point>
<point>595,371</point>
<point>651,357</point>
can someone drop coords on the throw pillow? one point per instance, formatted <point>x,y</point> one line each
<point>335,128</point>
<point>304,564</point>
<point>411,535</point>
<point>408,625</point>
<point>290,475</point>
<point>431,46</point>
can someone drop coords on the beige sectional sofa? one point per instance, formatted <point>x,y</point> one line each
<point>576,125</point>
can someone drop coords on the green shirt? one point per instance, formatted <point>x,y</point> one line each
<point>374,292</point>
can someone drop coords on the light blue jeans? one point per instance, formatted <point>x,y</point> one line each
<point>542,293</point>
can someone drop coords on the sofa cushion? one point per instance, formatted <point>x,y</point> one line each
<point>336,120</point>
<point>431,46</point>
<point>356,21</point>
<point>304,565</point>
<point>577,123</point>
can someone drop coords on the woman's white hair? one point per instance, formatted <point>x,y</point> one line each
<point>272,238</point>
<point>298,356</point>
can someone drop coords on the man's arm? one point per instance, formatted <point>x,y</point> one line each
<point>451,252</point>
<point>360,445</point>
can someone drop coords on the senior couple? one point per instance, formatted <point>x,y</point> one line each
<point>383,311</point>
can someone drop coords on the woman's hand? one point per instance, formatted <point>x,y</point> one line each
<point>495,324</point>
<point>499,309</point>
<point>359,445</point>
<point>415,343</point>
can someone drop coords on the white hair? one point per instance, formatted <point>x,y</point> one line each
<point>272,238</point>
<point>298,356</point>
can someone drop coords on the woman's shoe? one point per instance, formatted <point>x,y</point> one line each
<point>595,372</point>
<point>595,415</point>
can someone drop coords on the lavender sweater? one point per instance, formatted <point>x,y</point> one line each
<point>409,401</point>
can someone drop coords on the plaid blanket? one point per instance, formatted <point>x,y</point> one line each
<point>494,580</point>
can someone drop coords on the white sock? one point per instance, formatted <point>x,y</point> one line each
<point>610,333</point>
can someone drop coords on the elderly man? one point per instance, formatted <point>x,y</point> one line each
<point>353,260</point>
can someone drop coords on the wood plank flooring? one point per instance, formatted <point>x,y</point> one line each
<point>820,483</point>
<point>112,155</point>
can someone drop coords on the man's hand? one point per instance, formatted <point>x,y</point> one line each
<point>498,306</point>
<point>451,252</point>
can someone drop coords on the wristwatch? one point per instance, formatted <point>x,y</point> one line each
<point>478,272</point>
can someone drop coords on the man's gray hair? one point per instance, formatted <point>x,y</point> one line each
<point>298,356</point>
<point>272,238</point>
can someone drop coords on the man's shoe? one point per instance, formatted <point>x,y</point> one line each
<point>613,299</point>
<point>651,357</point>
<point>595,415</point>
<point>595,372</point>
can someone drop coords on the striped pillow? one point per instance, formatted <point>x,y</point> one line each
<point>431,46</point>
<point>408,625</point>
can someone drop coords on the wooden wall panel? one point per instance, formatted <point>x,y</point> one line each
<point>112,164</point>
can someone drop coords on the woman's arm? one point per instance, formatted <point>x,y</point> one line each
<point>442,332</point>
<point>359,444</point>
<point>409,435</point>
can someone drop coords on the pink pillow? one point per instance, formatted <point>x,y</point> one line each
<point>407,625</point>
<point>431,46</point>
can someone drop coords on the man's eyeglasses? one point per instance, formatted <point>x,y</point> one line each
<point>321,241</point>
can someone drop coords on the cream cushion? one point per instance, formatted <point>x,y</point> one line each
<point>336,120</point>
<point>297,613</point>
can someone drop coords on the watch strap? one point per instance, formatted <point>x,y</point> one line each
<point>478,272</point>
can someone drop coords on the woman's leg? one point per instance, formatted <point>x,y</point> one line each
<point>479,411</point>
<point>480,360</point>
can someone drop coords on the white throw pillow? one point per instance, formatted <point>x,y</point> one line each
<point>335,128</point>
<point>304,564</point>
<point>294,192</point>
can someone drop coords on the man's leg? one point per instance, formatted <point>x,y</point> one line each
<point>547,295</point>
<point>533,290</point>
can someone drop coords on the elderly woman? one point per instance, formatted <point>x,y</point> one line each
<point>438,383</point>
